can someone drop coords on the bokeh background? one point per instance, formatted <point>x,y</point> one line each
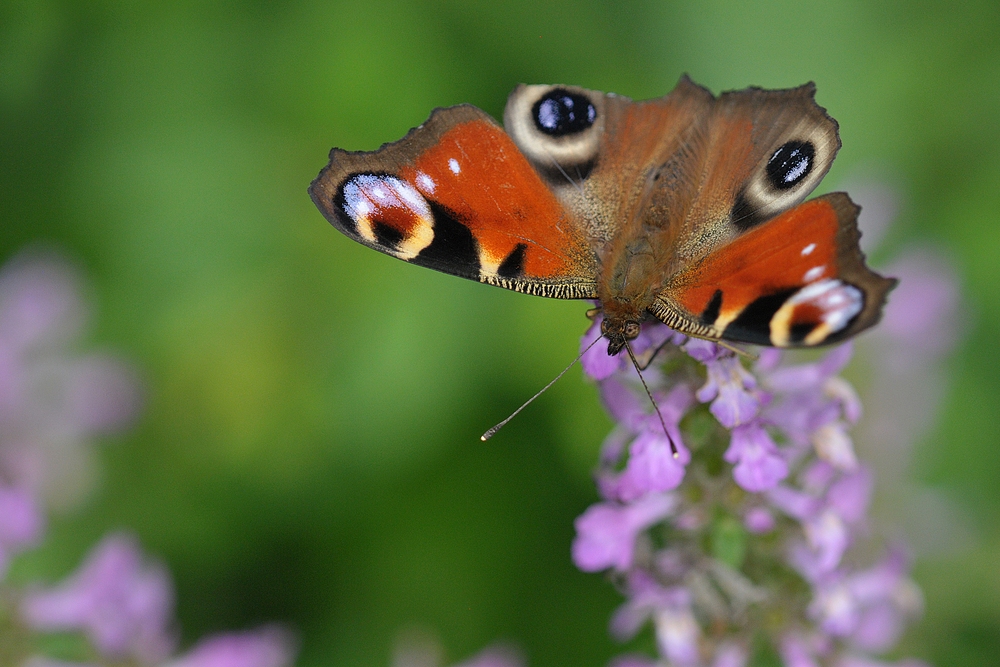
<point>308,452</point>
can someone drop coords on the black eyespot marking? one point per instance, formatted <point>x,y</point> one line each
<point>560,112</point>
<point>386,235</point>
<point>753,325</point>
<point>513,264</point>
<point>790,164</point>
<point>453,249</point>
<point>712,309</point>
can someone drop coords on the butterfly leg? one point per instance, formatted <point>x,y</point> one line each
<point>732,348</point>
<point>646,358</point>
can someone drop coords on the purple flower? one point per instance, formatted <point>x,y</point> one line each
<point>759,465</point>
<point>40,301</point>
<point>595,360</point>
<point>606,532</point>
<point>677,631</point>
<point>759,520</point>
<point>52,399</point>
<point>651,465</point>
<point>868,607</point>
<point>21,524</point>
<point>269,646</point>
<point>921,315</point>
<point>730,655</point>
<point>730,388</point>
<point>123,604</point>
<point>796,651</point>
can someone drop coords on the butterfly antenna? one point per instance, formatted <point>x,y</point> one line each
<point>663,423</point>
<point>489,434</point>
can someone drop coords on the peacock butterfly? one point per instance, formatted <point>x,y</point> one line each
<point>687,208</point>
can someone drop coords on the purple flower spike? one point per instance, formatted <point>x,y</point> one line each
<point>759,465</point>
<point>678,531</point>
<point>606,532</point>
<point>266,647</point>
<point>122,604</point>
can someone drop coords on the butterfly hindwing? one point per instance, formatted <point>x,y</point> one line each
<point>457,196</point>
<point>798,279</point>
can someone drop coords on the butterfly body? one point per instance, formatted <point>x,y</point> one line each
<point>685,208</point>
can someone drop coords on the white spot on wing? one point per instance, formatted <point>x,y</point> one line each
<point>426,183</point>
<point>815,273</point>
<point>453,165</point>
<point>808,249</point>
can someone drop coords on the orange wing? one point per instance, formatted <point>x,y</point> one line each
<point>796,280</point>
<point>457,196</point>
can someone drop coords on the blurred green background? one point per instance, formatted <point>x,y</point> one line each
<point>309,450</point>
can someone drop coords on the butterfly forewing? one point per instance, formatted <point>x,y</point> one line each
<point>456,195</point>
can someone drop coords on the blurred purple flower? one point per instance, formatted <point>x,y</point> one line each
<point>123,604</point>
<point>730,388</point>
<point>730,655</point>
<point>269,646</point>
<point>606,532</point>
<point>759,520</point>
<point>759,465</point>
<point>21,524</point>
<point>53,400</point>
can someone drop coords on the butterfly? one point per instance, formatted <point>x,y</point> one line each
<point>687,209</point>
